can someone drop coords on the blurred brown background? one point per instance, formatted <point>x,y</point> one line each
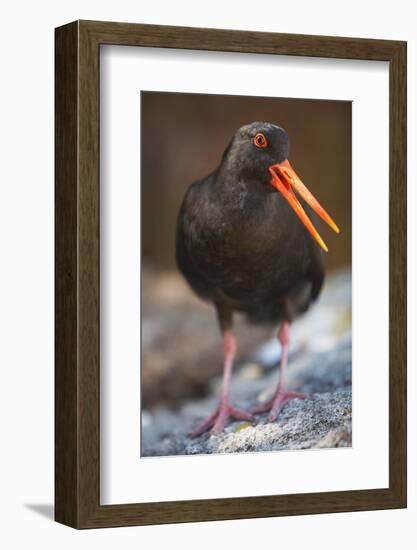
<point>182,139</point>
<point>184,136</point>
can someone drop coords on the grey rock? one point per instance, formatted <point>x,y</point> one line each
<point>322,421</point>
<point>320,365</point>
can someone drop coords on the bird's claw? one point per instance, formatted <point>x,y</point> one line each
<point>219,419</point>
<point>276,403</point>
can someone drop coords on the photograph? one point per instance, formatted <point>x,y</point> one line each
<point>246,286</point>
<point>209,256</point>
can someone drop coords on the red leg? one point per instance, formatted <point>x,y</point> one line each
<point>281,396</point>
<point>218,420</point>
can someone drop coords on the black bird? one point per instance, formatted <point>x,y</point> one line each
<point>240,245</point>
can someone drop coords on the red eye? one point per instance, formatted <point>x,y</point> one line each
<point>260,140</point>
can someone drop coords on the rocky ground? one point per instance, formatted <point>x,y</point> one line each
<point>320,364</point>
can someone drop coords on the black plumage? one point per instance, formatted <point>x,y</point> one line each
<point>239,243</point>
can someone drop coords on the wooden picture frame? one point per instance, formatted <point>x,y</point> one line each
<point>77,374</point>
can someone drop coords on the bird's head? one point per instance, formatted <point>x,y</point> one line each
<point>259,152</point>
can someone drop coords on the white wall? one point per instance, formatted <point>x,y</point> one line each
<point>26,273</point>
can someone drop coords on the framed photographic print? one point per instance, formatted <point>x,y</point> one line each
<point>230,274</point>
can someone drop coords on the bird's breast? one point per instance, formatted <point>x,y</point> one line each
<point>253,240</point>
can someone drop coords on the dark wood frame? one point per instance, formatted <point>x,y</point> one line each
<point>77,406</point>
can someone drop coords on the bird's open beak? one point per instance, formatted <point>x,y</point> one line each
<point>284,179</point>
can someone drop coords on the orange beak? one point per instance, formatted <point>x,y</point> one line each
<point>284,179</point>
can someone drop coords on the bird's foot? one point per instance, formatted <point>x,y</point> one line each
<point>219,419</point>
<point>276,403</point>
